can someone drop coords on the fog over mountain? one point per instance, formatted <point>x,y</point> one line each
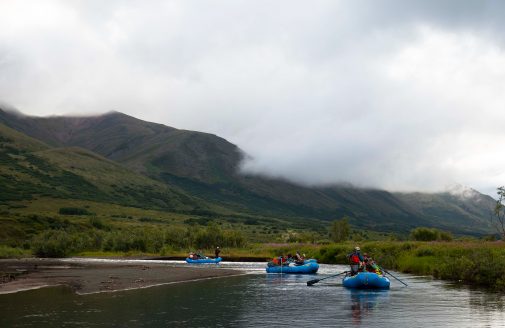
<point>390,94</point>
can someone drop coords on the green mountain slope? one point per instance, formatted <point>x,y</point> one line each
<point>146,147</point>
<point>206,166</point>
<point>29,168</point>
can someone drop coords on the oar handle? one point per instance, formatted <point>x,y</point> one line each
<point>311,282</point>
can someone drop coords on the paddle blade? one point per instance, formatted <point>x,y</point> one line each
<point>311,282</point>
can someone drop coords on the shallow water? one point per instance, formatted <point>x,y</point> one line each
<point>259,300</point>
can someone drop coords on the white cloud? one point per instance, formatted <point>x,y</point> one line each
<point>391,95</point>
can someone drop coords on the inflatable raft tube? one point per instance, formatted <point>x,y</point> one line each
<point>307,268</point>
<point>366,280</point>
<point>207,260</point>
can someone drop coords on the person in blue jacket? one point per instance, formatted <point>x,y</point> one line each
<point>356,260</point>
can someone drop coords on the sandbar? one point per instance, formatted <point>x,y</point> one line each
<point>93,277</point>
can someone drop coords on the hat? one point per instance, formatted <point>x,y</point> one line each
<point>357,248</point>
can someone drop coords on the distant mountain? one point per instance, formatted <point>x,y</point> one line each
<point>205,167</point>
<point>464,208</point>
<point>147,147</point>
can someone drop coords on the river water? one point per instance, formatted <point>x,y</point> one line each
<point>260,300</point>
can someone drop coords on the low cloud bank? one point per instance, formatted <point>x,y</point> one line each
<point>393,95</point>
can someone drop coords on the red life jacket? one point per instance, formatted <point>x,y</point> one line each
<point>354,258</point>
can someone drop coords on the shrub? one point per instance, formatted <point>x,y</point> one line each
<point>339,230</point>
<point>7,252</point>
<point>98,224</point>
<point>52,243</point>
<point>430,234</point>
<point>125,241</point>
<point>445,236</point>
<point>74,211</point>
<point>251,222</point>
<point>213,236</point>
<point>424,234</point>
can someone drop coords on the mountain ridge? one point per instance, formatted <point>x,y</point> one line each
<point>206,166</point>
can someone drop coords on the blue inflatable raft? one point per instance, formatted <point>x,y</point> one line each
<point>366,280</point>
<point>207,260</point>
<point>308,267</point>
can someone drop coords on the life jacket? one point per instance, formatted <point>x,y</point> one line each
<point>354,258</point>
<point>279,260</point>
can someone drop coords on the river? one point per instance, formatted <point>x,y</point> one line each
<point>260,300</point>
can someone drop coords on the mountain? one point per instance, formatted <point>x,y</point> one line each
<point>206,168</point>
<point>460,207</point>
<point>30,168</point>
<point>149,148</point>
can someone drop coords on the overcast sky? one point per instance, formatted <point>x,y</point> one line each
<point>400,95</point>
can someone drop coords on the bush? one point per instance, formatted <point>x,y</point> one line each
<point>424,234</point>
<point>445,236</point>
<point>125,242</point>
<point>213,236</point>
<point>179,237</point>
<point>430,234</point>
<point>53,243</point>
<point>339,230</point>
<point>7,252</point>
<point>74,211</point>
<point>98,224</point>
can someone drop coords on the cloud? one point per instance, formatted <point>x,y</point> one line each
<point>391,94</point>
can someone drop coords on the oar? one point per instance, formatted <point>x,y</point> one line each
<point>314,281</point>
<point>389,273</point>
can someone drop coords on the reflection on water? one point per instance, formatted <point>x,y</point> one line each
<point>259,300</point>
<point>363,302</point>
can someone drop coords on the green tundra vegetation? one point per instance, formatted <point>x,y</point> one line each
<point>63,227</point>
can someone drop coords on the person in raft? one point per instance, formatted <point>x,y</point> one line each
<point>370,265</point>
<point>299,259</point>
<point>199,255</point>
<point>356,260</point>
<point>195,256</point>
<point>217,251</point>
<point>280,260</point>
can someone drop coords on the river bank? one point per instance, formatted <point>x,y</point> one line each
<point>94,277</point>
<point>475,263</point>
